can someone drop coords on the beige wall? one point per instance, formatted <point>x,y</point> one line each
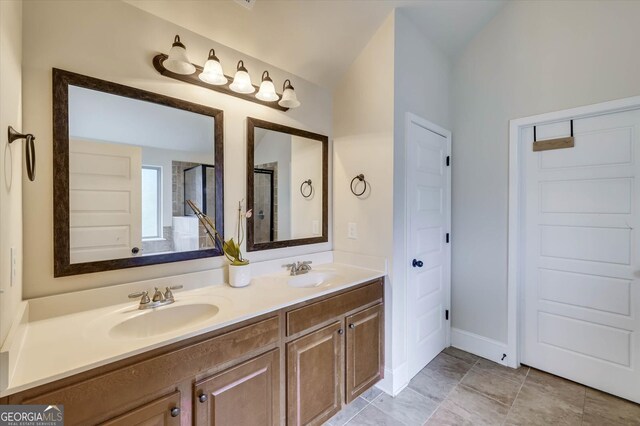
<point>306,163</point>
<point>11,157</point>
<point>399,71</point>
<point>363,143</point>
<point>116,41</point>
<point>534,57</point>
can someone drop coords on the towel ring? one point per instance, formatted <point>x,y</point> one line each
<point>360,178</point>
<point>308,183</point>
<point>30,147</point>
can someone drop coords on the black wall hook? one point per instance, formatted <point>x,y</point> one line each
<point>30,148</point>
<point>360,178</point>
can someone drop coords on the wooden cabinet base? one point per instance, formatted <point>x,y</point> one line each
<point>299,365</point>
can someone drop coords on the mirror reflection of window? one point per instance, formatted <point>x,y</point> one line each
<point>151,202</point>
<point>127,162</point>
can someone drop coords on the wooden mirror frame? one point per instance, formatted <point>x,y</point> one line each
<point>62,265</point>
<point>252,123</point>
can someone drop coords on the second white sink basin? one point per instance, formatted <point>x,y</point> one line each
<point>311,279</point>
<point>163,320</point>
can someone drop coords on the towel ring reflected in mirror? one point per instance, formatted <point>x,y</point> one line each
<point>309,188</point>
<point>354,184</point>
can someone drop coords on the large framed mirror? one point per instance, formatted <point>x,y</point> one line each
<point>125,162</point>
<point>287,186</point>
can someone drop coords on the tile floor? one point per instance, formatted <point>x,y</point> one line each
<point>458,388</point>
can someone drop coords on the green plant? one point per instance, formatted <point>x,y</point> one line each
<point>230,247</point>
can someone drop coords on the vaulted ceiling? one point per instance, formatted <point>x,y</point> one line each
<point>319,39</point>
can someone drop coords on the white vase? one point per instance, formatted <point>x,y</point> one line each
<point>239,275</point>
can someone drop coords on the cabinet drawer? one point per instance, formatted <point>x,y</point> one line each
<point>316,313</point>
<point>161,412</point>
<point>112,393</point>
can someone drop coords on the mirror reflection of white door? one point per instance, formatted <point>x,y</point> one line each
<point>104,200</point>
<point>428,193</point>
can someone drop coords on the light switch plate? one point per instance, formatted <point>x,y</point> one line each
<point>352,230</point>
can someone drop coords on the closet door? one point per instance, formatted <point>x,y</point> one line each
<point>581,258</point>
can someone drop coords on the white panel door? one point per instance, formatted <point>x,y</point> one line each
<point>428,262</point>
<point>105,204</point>
<point>581,297</point>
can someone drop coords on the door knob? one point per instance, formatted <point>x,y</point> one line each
<point>202,398</point>
<point>135,250</point>
<point>175,412</point>
<point>417,263</point>
<point>341,331</point>
<point>352,326</point>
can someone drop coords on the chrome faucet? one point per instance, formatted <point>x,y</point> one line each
<point>298,268</point>
<point>158,299</point>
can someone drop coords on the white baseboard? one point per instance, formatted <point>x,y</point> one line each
<point>394,381</point>
<point>479,345</point>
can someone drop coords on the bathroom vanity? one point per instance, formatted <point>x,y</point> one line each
<point>298,364</point>
<point>286,350</point>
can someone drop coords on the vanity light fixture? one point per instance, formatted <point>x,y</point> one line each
<point>212,72</point>
<point>267,90</point>
<point>289,98</point>
<point>211,76</point>
<point>178,61</point>
<point>242,80</point>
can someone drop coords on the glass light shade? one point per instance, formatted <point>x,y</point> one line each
<point>212,72</point>
<point>178,61</point>
<point>267,90</point>
<point>289,98</point>
<point>242,81</point>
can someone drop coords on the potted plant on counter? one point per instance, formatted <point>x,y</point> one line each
<point>239,267</point>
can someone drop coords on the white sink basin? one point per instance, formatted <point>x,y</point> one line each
<point>311,279</point>
<point>163,320</point>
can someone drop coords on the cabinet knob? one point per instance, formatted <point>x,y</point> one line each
<point>352,326</point>
<point>175,412</point>
<point>341,331</point>
<point>203,398</point>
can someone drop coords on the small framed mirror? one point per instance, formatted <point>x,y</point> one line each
<point>287,186</point>
<point>125,163</point>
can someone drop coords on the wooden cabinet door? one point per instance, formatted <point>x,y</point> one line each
<point>245,395</point>
<point>160,412</point>
<point>365,349</point>
<point>315,376</point>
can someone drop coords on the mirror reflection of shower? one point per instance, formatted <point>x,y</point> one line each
<point>195,182</point>
<point>265,204</point>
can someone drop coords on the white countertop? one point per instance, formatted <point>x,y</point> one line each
<point>59,346</point>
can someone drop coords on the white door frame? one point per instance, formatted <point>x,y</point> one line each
<point>516,194</point>
<point>412,118</point>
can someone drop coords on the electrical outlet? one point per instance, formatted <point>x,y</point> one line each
<point>352,230</point>
<point>14,266</point>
